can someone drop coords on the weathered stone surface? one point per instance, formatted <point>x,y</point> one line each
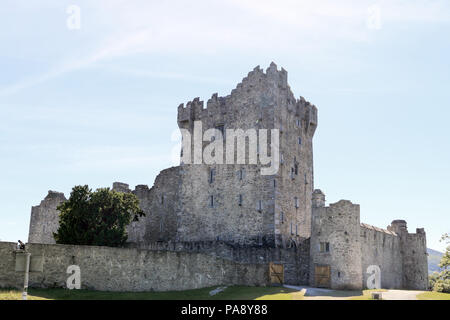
<point>255,218</point>
<point>132,269</point>
<point>354,246</point>
<point>44,219</point>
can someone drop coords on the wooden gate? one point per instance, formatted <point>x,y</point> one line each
<point>276,272</point>
<point>322,276</point>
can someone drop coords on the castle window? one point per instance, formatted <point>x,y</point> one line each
<point>282,217</point>
<point>296,169</point>
<point>296,202</point>
<point>292,232</point>
<point>221,128</point>
<point>162,199</point>
<point>299,140</point>
<point>211,201</point>
<point>212,173</point>
<point>298,123</point>
<point>296,230</point>
<point>160,226</point>
<point>281,159</point>
<point>240,200</point>
<point>274,183</point>
<point>260,205</point>
<point>324,247</point>
<point>241,174</point>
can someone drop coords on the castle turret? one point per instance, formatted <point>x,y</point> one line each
<point>399,227</point>
<point>121,187</point>
<point>414,255</point>
<point>318,198</point>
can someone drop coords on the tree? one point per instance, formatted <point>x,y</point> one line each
<point>441,281</point>
<point>96,218</point>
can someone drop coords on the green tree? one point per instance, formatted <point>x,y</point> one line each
<point>441,281</point>
<point>96,218</point>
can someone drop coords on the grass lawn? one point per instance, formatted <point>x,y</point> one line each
<point>432,295</point>
<point>231,293</point>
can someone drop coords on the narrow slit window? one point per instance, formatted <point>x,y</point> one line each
<point>296,202</point>
<point>212,174</point>
<point>221,129</point>
<point>211,201</point>
<point>240,200</point>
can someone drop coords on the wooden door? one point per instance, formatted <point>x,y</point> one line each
<point>276,272</point>
<point>322,276</point>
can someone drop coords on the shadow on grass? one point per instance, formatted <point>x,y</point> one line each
<point>231,293</point>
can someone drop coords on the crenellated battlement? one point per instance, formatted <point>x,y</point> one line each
<point>252,90</point>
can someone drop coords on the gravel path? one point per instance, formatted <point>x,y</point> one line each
<point>400,295</point>
<point>328,294</point>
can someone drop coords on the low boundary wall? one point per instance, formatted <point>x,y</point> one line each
<point>161,267</point>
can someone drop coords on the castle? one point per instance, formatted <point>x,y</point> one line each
<point>216,208</point>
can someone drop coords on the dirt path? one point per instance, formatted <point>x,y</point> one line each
<point>328,294</point>
<point>401,295</point>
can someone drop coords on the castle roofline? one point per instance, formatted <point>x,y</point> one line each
<point>368,226</point>
<point>272,74</point>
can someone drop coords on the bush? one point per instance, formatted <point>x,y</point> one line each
<point>96,218</point>
<point>440,282</point>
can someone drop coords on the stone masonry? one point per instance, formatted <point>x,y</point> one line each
<point>236,205</point>
<point>349,247</point>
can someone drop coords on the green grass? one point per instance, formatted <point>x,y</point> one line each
<point>231,293</point>
<point>433,295</point>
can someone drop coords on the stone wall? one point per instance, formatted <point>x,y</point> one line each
<point>414,255</point>
<point>382,248</point>
<point>44,220</point>
<point>129,269</point>
<point>401,256</point>
<point>160,204</point>
<point>337,227</point>
<point>295,259</point>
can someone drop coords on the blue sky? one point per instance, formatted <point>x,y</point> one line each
<point>98,104</point>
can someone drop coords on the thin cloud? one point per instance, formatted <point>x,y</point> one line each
<point>237,25</point>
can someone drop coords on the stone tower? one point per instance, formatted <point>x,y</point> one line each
<point>235,202</point>
<point>413,248</point>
